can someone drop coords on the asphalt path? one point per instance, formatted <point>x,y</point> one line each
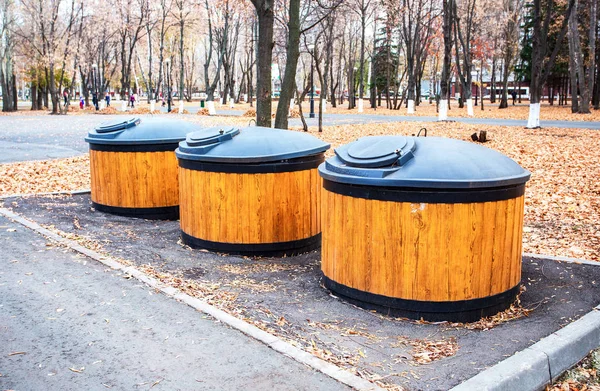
<point>69,323</point>
<point>40,137</point>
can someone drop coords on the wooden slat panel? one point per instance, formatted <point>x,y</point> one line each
<point>250,208</point>
<point>134,180</point>
<point>429,252</point>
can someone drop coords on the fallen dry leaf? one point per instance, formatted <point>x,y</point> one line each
<point>426,350</point>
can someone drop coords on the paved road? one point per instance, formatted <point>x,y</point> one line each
<point>38,137</point>
<point>41,137</point>
<point>68,323</point>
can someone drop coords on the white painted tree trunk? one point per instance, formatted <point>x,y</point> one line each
<point>410,109</point>
<point>360,105</point>
<point>470,107</point>
<point>102,104</point>
<point>180,107</point>
<point>210,105</point>
<point>231,103</point>
<point>324,105</point>
<point>443,113</point>
<point>246,98</point>
<point>534,116</point>
<point>291,107</point>
<point>152,105</point>
<point>123,106</point>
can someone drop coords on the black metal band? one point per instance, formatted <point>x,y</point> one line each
<point>277,249</point>
<point>162,213</point>
<point>299,164</point>
<point>134,148</point>
<point>433,311</point>
<point>427,196</point>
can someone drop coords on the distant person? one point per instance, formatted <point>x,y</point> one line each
<point>514,96</point>
<point>107,99</point>
<point>132,100</point>
<point>66,97</point>
<point>81,102</point>
<point>95,100</point>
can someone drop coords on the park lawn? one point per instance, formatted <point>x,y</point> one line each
<point>562,208</point>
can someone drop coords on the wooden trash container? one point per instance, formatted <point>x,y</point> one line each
<point>252,191</point>
<point>134,169</point>
<point>423,227</point>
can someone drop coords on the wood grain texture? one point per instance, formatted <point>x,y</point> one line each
<point>250,208</point>
<point>134,179</point>
<point>426,252</point>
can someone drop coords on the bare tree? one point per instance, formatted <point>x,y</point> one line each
<point>184,9</point>
<point>463,35</point>
<point>363,8</point>
<point>218,37</point>
<point>416,21</point>
<point>7,75</point>
<point>582,66</point>
<point>131,25</point>
<point>511,15</point>
<point>543,57</point>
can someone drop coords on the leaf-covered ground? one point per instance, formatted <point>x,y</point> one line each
<point>585,376</point>
<point>45,176</point>
<point>562,210</point>
<point>520,111</point>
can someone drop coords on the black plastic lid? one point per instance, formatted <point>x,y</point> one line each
<point>108,127</point>
<point>377,151</point>
<point>248,145</point>
<point>137,131</point>
<point>421,162</point>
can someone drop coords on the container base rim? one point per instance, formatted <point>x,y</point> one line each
<point>463,311</point>
<point>276,249</point>
<point>160,213</point>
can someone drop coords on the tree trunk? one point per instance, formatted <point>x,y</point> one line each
<point>300,100</point>
<point>266,19</point>
<point>445,78</point>
<point>541,64</point>
<point>505,73</point>
<point>596,96</point>
<point>587,76</point>
<point>575,42</point>
<point>33,97</point>
<point>181,57</point>
<point>573,70</point>
<point>363,27</point>
<point>150,58</point>
<point>291,65</point>
<point>493,81</point>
